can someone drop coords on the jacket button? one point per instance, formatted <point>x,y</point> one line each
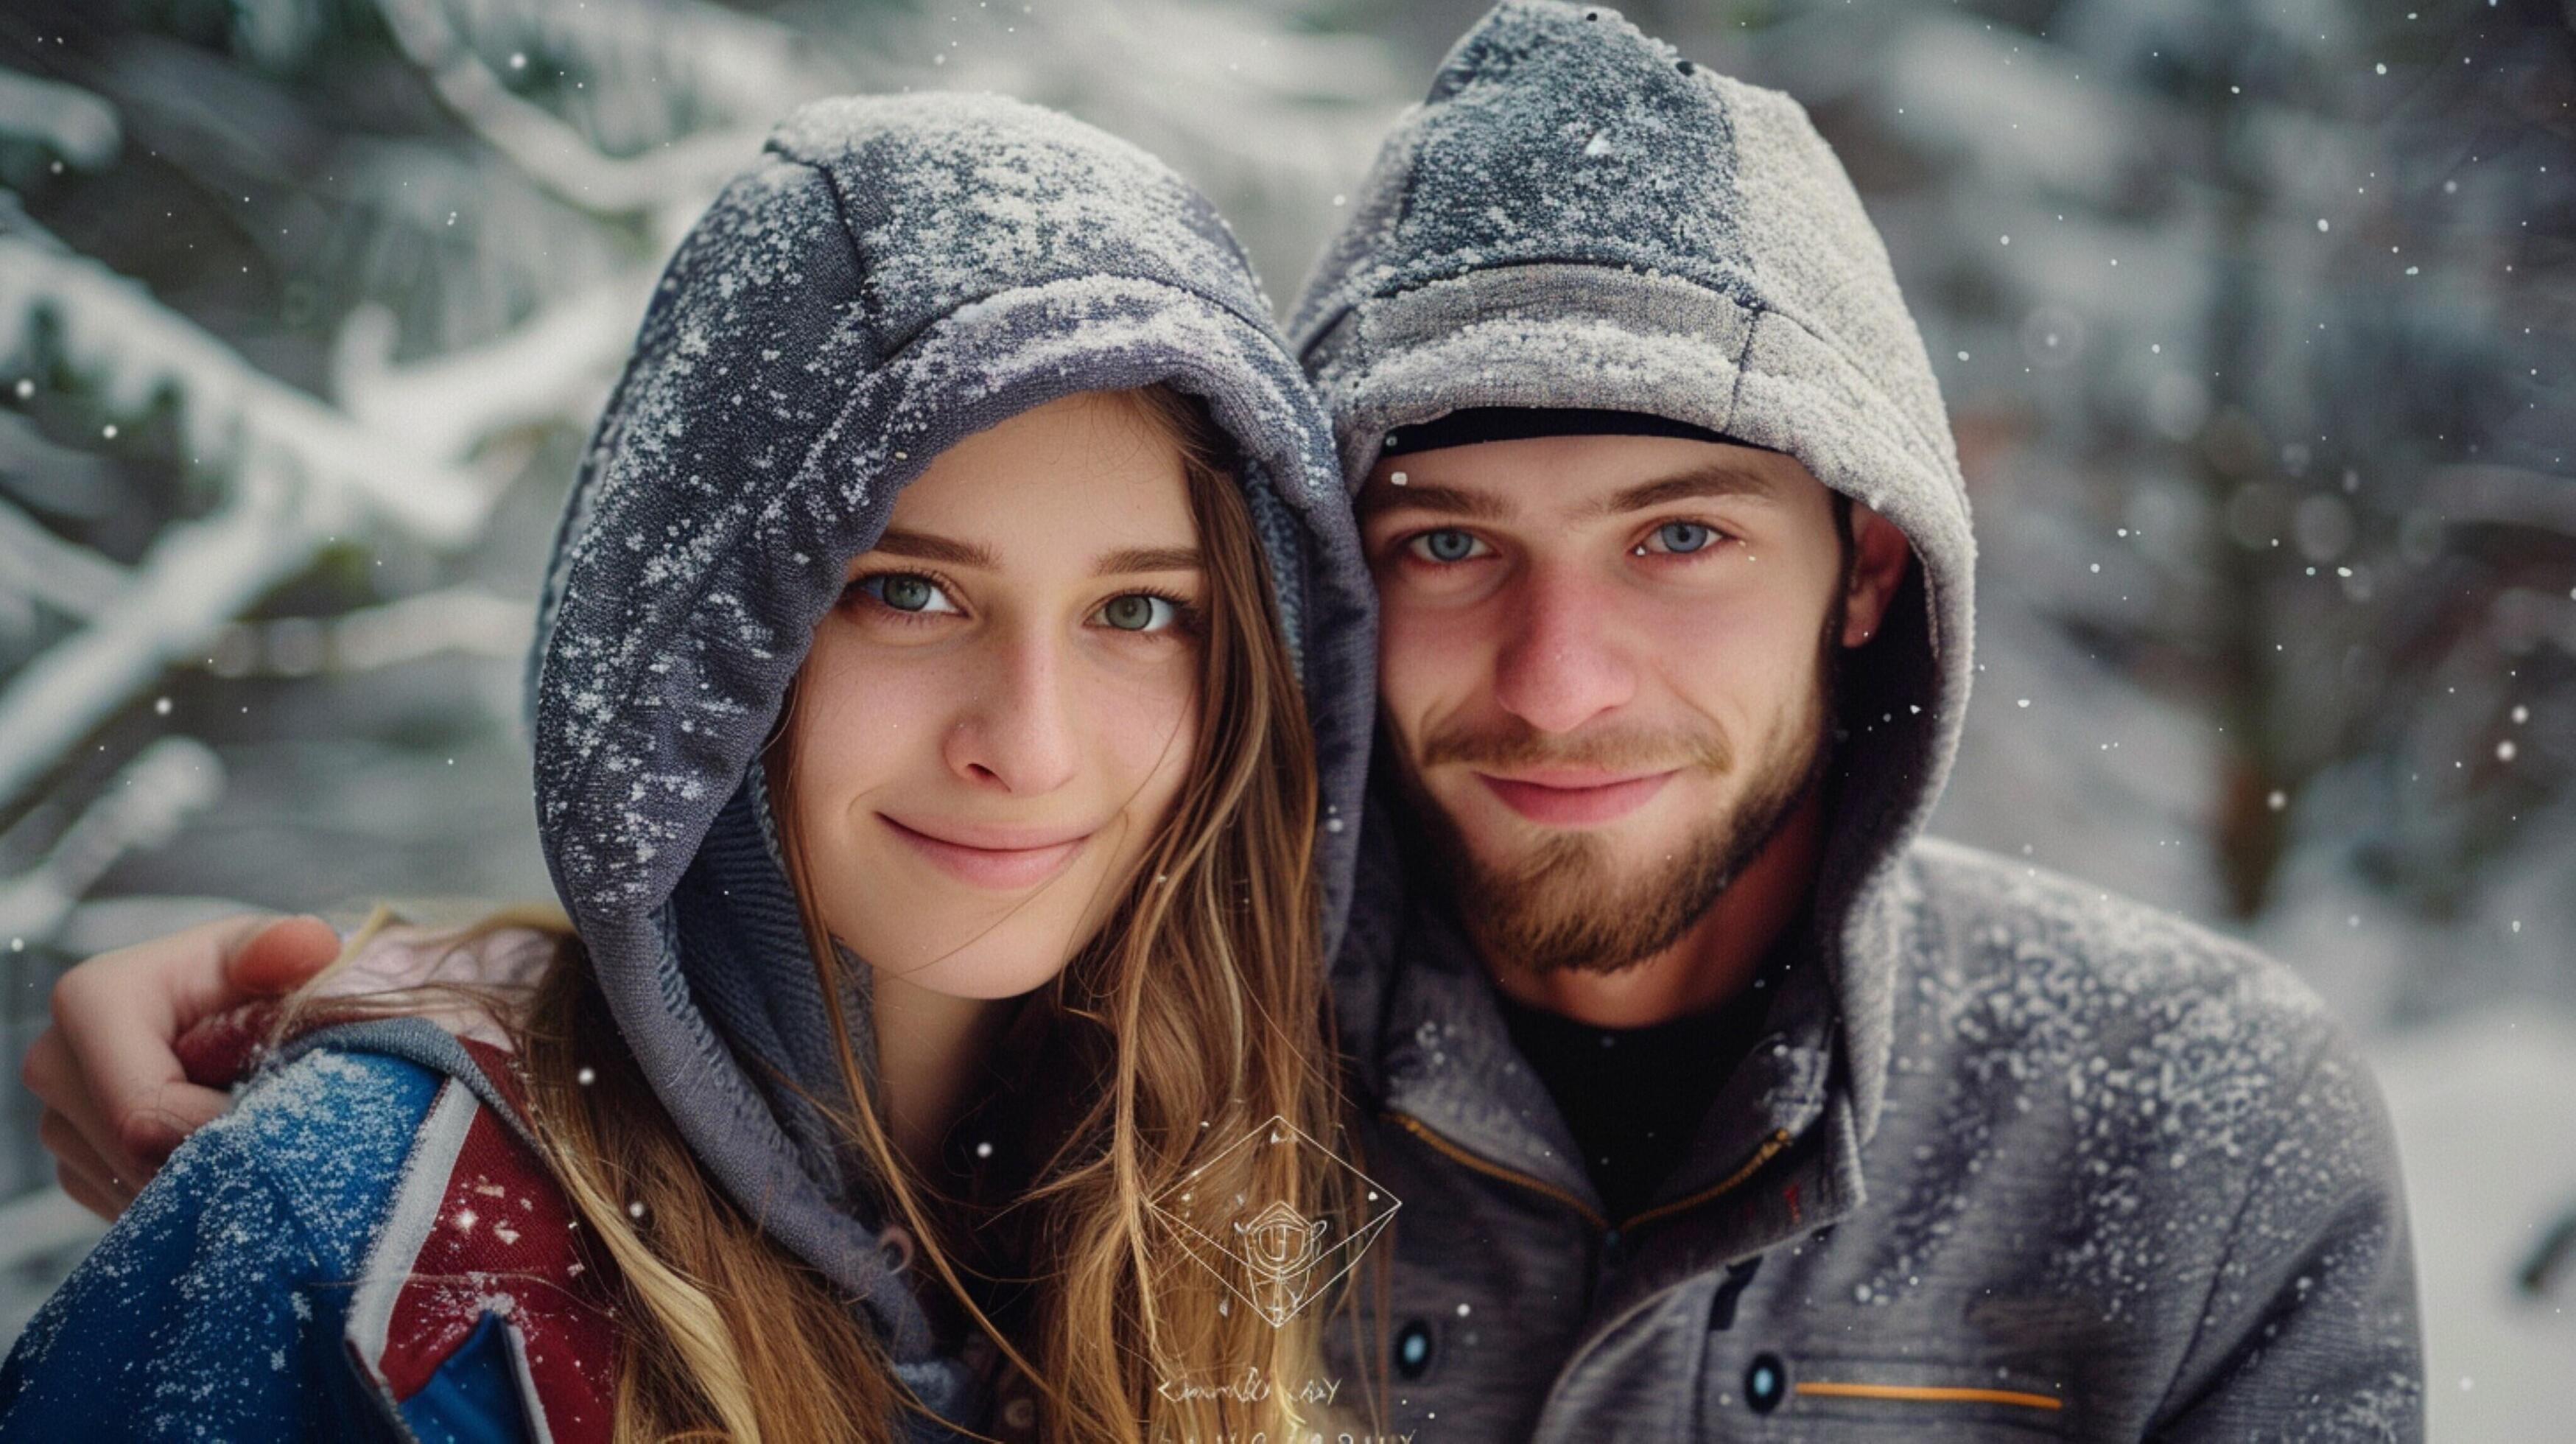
<point>1413,1349</point>
<point>1766,1383</point>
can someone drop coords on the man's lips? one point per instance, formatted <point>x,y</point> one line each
<point>1005,859</point>
<point>1574,797</point>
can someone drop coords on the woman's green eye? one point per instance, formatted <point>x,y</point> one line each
<point>1684,536</point>
<point>1139,612</point>
<point>1445,545</point>
<point>907,592</point>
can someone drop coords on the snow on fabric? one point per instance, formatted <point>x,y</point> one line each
<point>480,1257</point>
<point>356,1240</point>
<point>214,1306</point>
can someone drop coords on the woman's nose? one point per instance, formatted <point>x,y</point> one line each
<point>1017,732</point>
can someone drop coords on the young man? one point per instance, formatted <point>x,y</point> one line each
<point>1721,1104</point>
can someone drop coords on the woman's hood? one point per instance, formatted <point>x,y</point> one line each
<point>894,275</point>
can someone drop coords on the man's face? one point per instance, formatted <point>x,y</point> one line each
<point>1606,672</point>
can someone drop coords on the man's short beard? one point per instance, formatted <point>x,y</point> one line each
<point>1565,908</point>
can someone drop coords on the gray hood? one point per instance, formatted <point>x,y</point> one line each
<point>1577,217</point>
<point>894,275</point>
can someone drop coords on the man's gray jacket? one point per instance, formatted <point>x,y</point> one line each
<point>2015,1158</point>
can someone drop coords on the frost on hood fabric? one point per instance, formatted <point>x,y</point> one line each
<point>2019,1157</point>
<point>896,274</point>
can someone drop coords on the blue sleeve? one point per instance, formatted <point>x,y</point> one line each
<point>216,1306</point>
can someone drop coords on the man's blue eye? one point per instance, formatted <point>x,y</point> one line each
<point>1446,545</point>
<point>1684,536</point>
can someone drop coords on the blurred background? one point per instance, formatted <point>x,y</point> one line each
<point>2256,319</point>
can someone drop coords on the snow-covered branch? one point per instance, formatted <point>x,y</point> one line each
<point>552,153</point>
<point>37,564</point>
<point>56,481</point>
<point>197,575</point>
<point>64,119</point>
<point>143,807</point>
<point>649,69</point>
<point>1302,106</point>
<point>554,366</point>
<point>460,619</point>
<point>302,472</point>
<point>134,350</point>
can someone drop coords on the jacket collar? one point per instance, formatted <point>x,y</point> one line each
<point>1446,1065</point>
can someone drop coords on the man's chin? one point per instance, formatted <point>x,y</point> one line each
<point>1602,899</point>
<point>1591,854</point>
<point>1501,839</point>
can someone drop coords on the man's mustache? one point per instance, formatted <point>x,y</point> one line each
<point>1628,750</point>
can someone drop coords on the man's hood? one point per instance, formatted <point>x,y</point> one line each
<point>894,275</point>
<point>1577,216</point>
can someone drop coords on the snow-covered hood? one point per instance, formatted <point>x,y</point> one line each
<point>894,275</point>
<point>1576,216</point>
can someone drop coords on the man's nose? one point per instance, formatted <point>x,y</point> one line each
<point>1018,733</point>
<point>1559,668</point>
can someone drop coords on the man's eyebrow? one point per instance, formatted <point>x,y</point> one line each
<point>922,546</point>
<point>1148,559</point>
<point>1439,500</point>
<point>1716,479</point>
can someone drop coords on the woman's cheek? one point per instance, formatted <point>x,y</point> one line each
<point>863,721</point>
<point>1150,733</point>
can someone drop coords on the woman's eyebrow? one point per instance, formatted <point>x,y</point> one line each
<point>1148,559</point>
<point>922,546</point>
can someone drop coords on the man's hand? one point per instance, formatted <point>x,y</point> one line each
<point>116,1098</point>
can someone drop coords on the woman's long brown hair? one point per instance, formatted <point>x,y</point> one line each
<point>1201,1003</point>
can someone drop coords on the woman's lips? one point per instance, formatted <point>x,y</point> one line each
<point>988,858</point>
<point>1574,799</point>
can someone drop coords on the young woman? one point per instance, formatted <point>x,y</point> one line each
<point>922,764</point>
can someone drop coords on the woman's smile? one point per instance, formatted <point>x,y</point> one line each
<point>1003,859</point>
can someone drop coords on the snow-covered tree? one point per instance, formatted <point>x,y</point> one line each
<point>2259,321</point>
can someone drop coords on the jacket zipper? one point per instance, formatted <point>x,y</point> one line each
<point>1769,1149</point>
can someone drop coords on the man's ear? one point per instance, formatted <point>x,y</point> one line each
<point>1880,554</point>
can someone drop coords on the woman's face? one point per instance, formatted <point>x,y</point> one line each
<point>1003,704</point>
